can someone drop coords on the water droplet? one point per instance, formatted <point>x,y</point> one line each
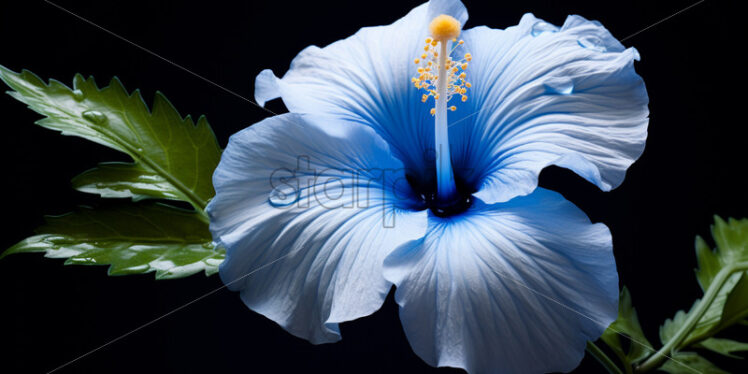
<point>559,85</point>
<point>593,43</point>
<point>140,149</point>
<point>283,196</point>
<point>95,116</point>
<point>78,95</point>
<point>541,27</point>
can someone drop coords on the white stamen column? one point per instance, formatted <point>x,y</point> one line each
<point>446,189</point>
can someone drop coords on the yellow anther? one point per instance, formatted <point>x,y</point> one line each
<point>468,85</point>
<point>444,27</point>
<point>430,65</point>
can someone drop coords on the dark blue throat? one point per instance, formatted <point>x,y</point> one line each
<point>425,194</point>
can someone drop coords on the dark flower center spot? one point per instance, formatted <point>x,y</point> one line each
<point>427,198</point>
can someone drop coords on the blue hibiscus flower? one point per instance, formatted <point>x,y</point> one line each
<point>411,158</point>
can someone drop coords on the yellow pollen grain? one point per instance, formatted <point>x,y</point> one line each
<point>444,27</point>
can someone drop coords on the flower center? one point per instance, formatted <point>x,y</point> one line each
<point>442,77</point>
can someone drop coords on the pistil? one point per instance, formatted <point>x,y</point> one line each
<point>442,77</point>
<point>445,181</point>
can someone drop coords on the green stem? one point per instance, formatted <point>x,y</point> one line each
<point>626,364</point>
<point>723,275</point>
<point>202,215</point>
<point>602,358</point>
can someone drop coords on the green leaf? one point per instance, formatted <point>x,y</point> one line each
<point>708,261</point>
<point>723,346</point>
<point>736,306</point>
<point>672,325</point>
<point>731,238</point>
<point>119,179</point>
<point>709,323</point>
<point>690,363</point>
<point>174,155</point>
<point>132,239</point>
<point>627,324</point>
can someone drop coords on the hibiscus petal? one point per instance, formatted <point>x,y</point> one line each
<point>308,209</point>
<point>515,287</point>
<point>366,78</point>
<point>545,95</point>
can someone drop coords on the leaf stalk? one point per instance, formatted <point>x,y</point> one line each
<point>602,358</point>
<point>723,275</point>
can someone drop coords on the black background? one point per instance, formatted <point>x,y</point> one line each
<point>693,167</point>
